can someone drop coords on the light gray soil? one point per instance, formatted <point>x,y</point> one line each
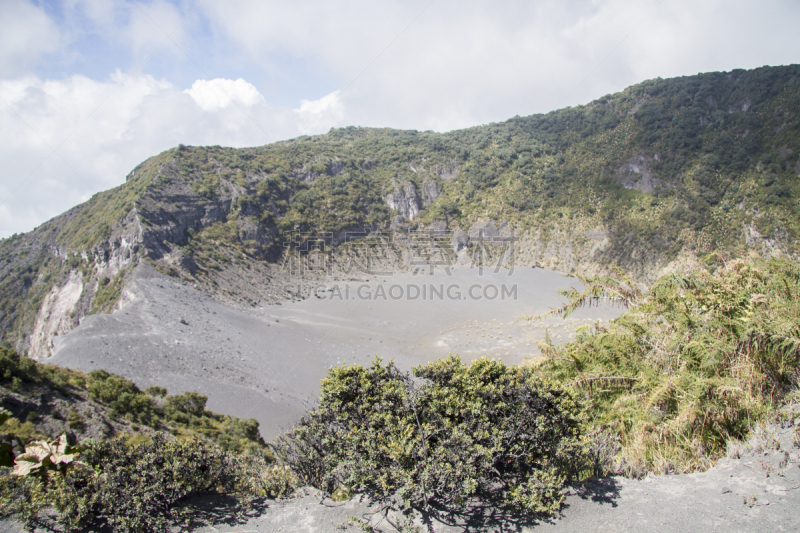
<point>267,362</point>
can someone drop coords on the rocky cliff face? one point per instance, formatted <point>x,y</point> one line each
<point>172,210</point>
<point>635,174</point>
<point>430,192</point>
<point>647,179</point>
<point>77,278</point>
<point>579,247</point>
<point>55,315</point>
<point>407,201</point>
<point>62,282</point>
<point>166,215</point>
<point>404,200</point>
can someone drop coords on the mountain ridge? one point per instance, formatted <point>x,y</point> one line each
<point>650,179</point>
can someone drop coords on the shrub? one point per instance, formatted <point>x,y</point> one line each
<point>14,366</point>
<point>129,487</point>
<point>140,488</point>
<point>108,293</point>
<point>20,370</point>
<point>156,392</point>
<point>693,365</point>
<point>189,403</point>
<point>121,395</point>
<point>75,420</point>
<point>21,497</point>
<point>482,430</point>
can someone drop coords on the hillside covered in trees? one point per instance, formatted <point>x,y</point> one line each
<point>664,171</point>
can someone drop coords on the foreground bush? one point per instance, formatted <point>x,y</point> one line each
<point>137,488</point>
<point>694,364</point>
<point>17,371</point>
<point>457,432</point>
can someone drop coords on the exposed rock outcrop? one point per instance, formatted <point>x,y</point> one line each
<point>404,200</point>
<point>437,228</point>
<point>740,107</point>
<point>430,192</point>
<point>488,229</point>
<point>635,175</point>
<point>767,246</point>
<point>54,315</point>
<point>447,171</point>
<point>459,240</point>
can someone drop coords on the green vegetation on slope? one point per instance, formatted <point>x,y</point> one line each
<point>183,415</point>
<point>709,143</point>
<point>135,482</point>
<point>694,164</point>
<point>108,292</point>
<point>92,223</point>
<point>131,488</point>
<point>695,364</point>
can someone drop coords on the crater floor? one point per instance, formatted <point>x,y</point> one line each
<point>267,362</point>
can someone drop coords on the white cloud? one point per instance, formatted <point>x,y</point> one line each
<point>314,114</point>
<point>26,33</point>
<point>101,130</point>
<point>445,65</point>
<point>99,12</point>
<point>216,94</point>
<point>405,64</point>
<point>151,24</point>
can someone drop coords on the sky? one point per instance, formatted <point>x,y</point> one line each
<point>90,88</point>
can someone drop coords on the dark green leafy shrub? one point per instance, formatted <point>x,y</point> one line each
<point>140,488</point>
<point>276,481</point>
<point>12,365</point>
<point>189,403</point>
<point>19,370</point>
<point>75,420</point>
<point>458,432</point>
<point>230,433</point>
<point>123,396</point>
<point>155,391</point>
<point>21,497</point>
<point>9,445</point>
<point>244,429</point>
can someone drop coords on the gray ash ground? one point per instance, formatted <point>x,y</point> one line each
<point>267,362</point>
